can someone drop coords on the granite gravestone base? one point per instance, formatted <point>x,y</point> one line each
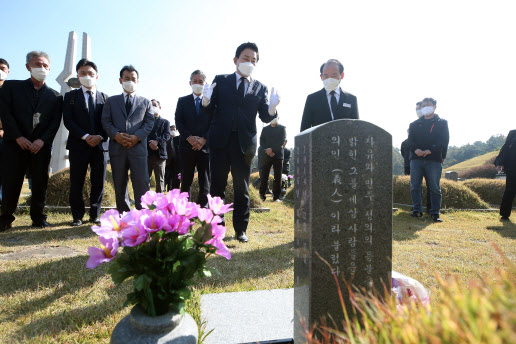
<point>343,214</point>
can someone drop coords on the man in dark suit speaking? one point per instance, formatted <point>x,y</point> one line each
<point>233,100</point>
<point>87,141</point>
<point>128,120</point>
<point>331,102</point>
<point>193,125</point>
<point>31,114</point>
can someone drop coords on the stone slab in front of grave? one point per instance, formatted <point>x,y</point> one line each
<point>343,212</point>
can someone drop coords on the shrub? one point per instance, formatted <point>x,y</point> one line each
<point>475,312</point>
<point>59,189</point>
<point>256,175</point>
<point>290,196</point>
<point>490,190</point>
<point>254,196</point>
<point>484,171</point>
<point>455,194</point>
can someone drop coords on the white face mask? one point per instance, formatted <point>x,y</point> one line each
<point>331,84</point>
<point>419,113</point>
<point>129,86</point>
<point>155,110</point>
<point>274,121</point>
<point>427,110</point>
<point>39,74</point>
<point>246,68</point>
<point>3,75</point>
<point>87,81</point>
<point>174,133</point>
<point>196,88</point>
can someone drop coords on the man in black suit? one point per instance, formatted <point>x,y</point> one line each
<point>193,125</point>
<point>87,141</point>
<point>127,119</point>
<point>330,103</point>
<point>31,114</point>
<point>233,100</point>
<point>4,72</point>
<point>157,150</point>
<point>272,140</point>
<point>506,161</point>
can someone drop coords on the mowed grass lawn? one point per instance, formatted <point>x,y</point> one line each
<point>58,300</point>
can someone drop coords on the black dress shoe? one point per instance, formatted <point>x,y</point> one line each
<point>416,214</point>
<point>242,237</point>
<point>262,198</point>
<point>76,222</point>
<point>41,224</point>
<point>4,226</point>
<point>505,218</point>
<point>436,218</point>
<point>95,220</point>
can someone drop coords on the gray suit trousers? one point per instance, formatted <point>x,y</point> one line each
<point>121,164</point>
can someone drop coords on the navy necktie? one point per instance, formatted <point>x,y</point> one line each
<point>91,111</point>
<point>333,102</point>
<point>241,88</point>
<point>198,105</point>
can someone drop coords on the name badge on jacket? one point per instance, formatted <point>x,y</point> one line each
<point>346,105</point>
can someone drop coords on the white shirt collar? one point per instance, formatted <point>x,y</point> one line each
<point>130,94</point>
<point>337,91</point>
<point>194,96</point>
<point>238,76</point>
<point>93,90</point>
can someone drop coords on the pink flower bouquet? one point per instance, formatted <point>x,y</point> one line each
<point>163,246</point>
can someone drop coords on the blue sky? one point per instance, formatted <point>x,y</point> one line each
<point>461,53</point>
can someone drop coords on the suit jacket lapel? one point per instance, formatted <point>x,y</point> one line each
<point>191,103</point>
<point>28,91</point>
<point>325,105</point>
<point>250,87</point>
<point>134,104</point>
<point>232,81</point>
<point>45,93</point>
<point>121,102</point>
<point>340,107</point>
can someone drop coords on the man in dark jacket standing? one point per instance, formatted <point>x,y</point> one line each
<point>428,143</point>
<point>193,125</point>
<point>272,140</point>
<point>506,161</point>
<point>157,150</point>
<point>87,142</point>
<point>31,114</point>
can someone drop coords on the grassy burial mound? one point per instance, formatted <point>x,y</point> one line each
<point>474,164</point>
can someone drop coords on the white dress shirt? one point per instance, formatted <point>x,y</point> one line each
<point>238,81</point>
<point>337,96</point>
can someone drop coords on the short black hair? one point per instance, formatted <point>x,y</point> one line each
<point>86,62</point>
<point>430,100</point>
<point>157,101</point>
<point>247,45</point>
<point>129,68</point>
<point>3,61</point>
<point>337,62</point>
<point>197,71</point>
<point>419,103</point>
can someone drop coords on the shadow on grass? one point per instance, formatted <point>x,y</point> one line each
<point>405,227</point>
<point>22,236</point>
<point>251,264</point>
<point>506,229</point>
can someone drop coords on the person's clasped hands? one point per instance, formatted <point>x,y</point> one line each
<point>422,153</point>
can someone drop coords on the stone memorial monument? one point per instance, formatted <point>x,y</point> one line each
<point>59,158</point>
<point>343,212</point>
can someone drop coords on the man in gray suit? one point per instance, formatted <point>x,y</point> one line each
<point>128,120</point>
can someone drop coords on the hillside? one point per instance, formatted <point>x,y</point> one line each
<point>473,162</point>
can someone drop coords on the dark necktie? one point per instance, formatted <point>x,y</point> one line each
<point>333,102</point>
<point>198,105</point>
<point>91,111</point>
<point>128,104</point>
<point>241,88</point>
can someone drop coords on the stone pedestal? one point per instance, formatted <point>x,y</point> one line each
<point>169,328</point>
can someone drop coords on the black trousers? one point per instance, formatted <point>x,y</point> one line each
<point>192,159</point>
<point>171,179</point>
<point>508,195</point>
<point>154,163</point>
<point>221,161</point>
<point>15,163</point>
<point>267,163</point>
<point>79,162</point>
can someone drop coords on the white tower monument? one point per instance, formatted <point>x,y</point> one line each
<point>59,153</point>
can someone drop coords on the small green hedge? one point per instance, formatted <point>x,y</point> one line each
<point>455,194</point>
<point>254,196</point>
<point>59,189</point>
<point>490,190</point>
<point>256,175</point>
